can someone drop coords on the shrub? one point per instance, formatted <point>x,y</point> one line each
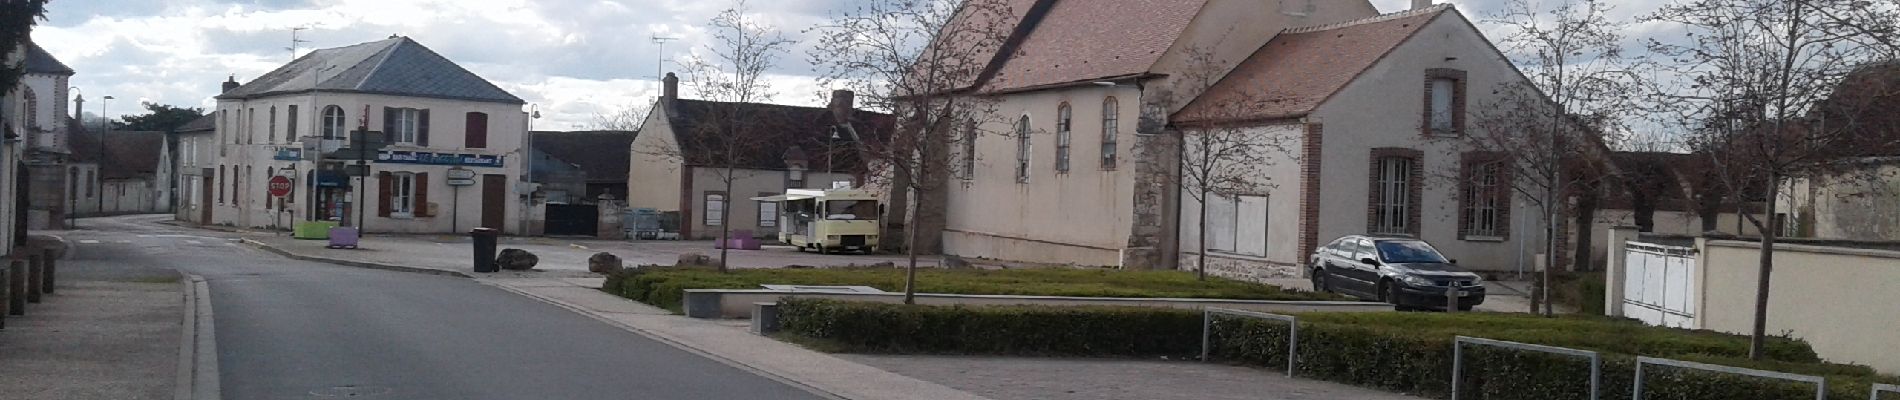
<point>1013,330</point>
<point>664,286</point>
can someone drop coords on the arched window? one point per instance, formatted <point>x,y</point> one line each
<point>1063,123</point>
<point>1022,150</point>
<point>32,110</point>
<point>1111,124</point>
<point>333,122</point>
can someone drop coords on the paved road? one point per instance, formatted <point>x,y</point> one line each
<point>291,329</point>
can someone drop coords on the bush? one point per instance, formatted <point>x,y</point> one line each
<point>664,286</point>
<point>1400,352</point>
<point>1012,330</point>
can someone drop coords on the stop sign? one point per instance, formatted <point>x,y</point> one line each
<point>279,186</point>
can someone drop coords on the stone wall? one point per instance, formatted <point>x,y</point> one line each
<point>1151,234</point>
<point>1242,268</point>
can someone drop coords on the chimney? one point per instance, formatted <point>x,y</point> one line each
<point>230,83</point>
<point>842,101</point>
<point>1421,4</point>
<point>670,87</point>
<point>79,108</point>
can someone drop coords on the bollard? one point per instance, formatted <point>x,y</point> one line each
<point>33,272</point>
<point>6,306</point>
<point>484,243</point>
<point>16,288</point>
<point>50,272</point>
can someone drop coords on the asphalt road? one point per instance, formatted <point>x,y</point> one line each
<point>290,329</point>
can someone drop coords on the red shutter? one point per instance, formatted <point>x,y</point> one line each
<point>477,131</point>
<point>422,128</point>
<point>422,195</point>
<point>383,180</point>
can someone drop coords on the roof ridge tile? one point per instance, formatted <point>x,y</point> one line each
<point>1372,20</point>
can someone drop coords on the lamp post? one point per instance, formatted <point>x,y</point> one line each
<point>99,180</point>
<point>72,199</point>
<point>527,165</point>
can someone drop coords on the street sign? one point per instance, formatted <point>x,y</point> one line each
<point>279,186</point>
<point>459,176</point>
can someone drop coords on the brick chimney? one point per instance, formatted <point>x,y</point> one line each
<point>1421,4</point>
<point>230,83</point>
<point>670,87</point>
<point>842,102</point>
<point>79,107</point>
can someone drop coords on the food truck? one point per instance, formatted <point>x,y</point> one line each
<point>827,220</point>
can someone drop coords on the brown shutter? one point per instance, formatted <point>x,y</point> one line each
<point>389,124</point>
<point>422,195</point>
<point>477,131</point>
<point>422,128</point>
<point>383,180</point>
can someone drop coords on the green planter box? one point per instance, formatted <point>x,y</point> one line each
<point>312,230</point>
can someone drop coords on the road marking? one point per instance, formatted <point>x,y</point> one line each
<point>145,236</point>
<point>193,242</point>
<point>124,242</point>
<point>88,241</point>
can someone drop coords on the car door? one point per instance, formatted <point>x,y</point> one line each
<point>1364,277</point>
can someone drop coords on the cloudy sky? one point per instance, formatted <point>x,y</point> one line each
<point>575,59</point>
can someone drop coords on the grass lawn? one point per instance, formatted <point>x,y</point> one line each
<point>662,286</point>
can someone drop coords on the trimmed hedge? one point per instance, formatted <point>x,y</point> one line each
<point>1400,352</point>
<point>664,286</point>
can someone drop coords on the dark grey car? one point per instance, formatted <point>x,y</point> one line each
<point>1409,273</point>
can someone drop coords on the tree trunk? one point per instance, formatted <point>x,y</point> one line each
<point>896,233</point>
<point>1200,263</point>
<point>1584,221</point>
<point>725,221</point>
<point>910,270</point>
<point>1769,228</point>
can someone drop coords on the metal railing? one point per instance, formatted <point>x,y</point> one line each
<point>1293,332</point>
<point>1820,385</point>
<point>1458,359</point>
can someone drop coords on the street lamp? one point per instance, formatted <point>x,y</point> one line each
<point>99,177</point>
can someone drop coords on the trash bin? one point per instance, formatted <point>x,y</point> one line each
<point>484,239</point>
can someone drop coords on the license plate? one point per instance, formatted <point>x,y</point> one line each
<point>1463,293</point>
<point>851,247</point>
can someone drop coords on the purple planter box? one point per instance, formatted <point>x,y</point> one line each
<point>342,237</point>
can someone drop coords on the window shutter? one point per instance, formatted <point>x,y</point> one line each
<point>422,195</point>
<point>383,180</point>
<point>422,128</point>
<point>477,131</point>
<point>389,124</point>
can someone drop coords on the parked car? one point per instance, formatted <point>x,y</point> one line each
<point>1409,273</point>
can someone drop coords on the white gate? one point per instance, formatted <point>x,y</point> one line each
<point>1660,286</point>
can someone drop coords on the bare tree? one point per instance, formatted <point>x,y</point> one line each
<point>918,59</point>
<point>1221,158</point>
<point>1752,72</point>
<point>728,137</point>
<point>1541,132</point>
<point>627,117</point>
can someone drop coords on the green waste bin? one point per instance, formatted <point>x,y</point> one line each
<point>313,230</point>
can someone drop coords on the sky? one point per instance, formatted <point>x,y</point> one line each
<point>574,60</point>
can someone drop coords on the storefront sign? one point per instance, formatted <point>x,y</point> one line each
<point>431,158</point>
<point>289,154</point>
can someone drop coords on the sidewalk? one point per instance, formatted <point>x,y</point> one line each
<point>95,340</point>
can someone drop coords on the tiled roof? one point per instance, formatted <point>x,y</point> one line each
<point>1299,69</point>
<point>603,155</point>
<point>39,61</point>
<point>203,124</point>
<point>982,27</point>
<point>1083,40</point>
<point>128,154</point>
<point>394,66</point>
<point>780,128</point>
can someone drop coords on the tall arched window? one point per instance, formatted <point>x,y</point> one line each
<point>1022,150</point>
<point>1111,124</point>
<point>333,122</point>
<point>32,109</point>
<point>1063,123</point>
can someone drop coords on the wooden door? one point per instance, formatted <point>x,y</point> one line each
<point>494,201</point>
<point>207,181</point>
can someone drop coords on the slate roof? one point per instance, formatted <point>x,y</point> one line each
<point>395,66</point>
<point>1085,40</point>
<point>779,129</point>
<point>603,155</point>
<point>129,154</point>
<point>203,124</point>
<point>1296,72</point>
<point>41,62</point>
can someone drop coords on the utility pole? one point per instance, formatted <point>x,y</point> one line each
<point>294,41</point>
<point>660,66</point>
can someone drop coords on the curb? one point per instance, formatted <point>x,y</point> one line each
<point>198,348</point>
<point>358,264</point>
<point>788,381</point>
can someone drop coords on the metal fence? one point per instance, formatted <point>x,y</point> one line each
<point>1882,387</point>
<point>1820,385</point>
<point>1292,337</point>
<point>1458,359</point>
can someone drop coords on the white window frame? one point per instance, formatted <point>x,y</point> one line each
<point>1065,123</point>
<point>1111,126</point>
<point>1444,91</point>
<point>408,124</point>
<point>1024,149</point>
<point>1481,201</point>
<point>714,216</point>
<point>1394,200</point>
<point>402,195</point>
<point>768,214</point>
<point>333,120</point>
<point>967,163</point>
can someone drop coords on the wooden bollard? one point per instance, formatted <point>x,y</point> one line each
<point>50,258</point>
<point>34,269</point>
<point>16,287</point>
<point>6,295</point>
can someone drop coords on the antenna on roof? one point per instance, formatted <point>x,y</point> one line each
<point>295,40</point>
<point>660,69</point>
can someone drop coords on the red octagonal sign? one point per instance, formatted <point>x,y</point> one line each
<point>279,186</point>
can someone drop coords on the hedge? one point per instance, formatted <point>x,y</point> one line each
<point>664,286</point>
<point>1399,352</point>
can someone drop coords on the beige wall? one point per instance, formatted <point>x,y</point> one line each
<point>653,170</point>
<point>1383,108</point>
<point>1667,223</point>
<point>1079,217</point>
<point>1858,205</point>
<point>746,184</point>
<point>1274,225</point>
<point>1842,301</point>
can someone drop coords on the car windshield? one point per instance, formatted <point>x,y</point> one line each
<point>851,210</point>
<point>1408,251</point>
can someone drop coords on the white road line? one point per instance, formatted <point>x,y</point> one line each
<point>193,242</point>
<point>145,236</point>
<point>88,241</point>
<point>123,242</point>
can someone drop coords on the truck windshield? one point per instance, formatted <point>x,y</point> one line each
<point>1400,252</point>
<point>851,210</point>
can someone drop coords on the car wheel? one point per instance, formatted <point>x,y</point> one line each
<point>1464,307</point>
<point>1391,295</point>
<point>1320,283</point>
